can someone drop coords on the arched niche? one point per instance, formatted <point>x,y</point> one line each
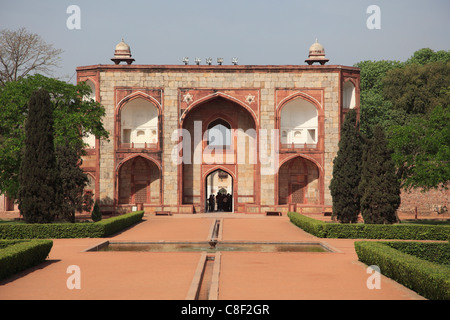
<point>89,138</point>
<point>91,85</point>
<point>299,122</point>
<point>349,98</point>
<point>139,123</point>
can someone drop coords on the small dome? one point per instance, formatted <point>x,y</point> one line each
<point>316,54</point>
<point>316,49</point>
<point>122,53</point>
<point>122,46</point>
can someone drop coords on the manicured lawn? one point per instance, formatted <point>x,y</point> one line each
<point>433,222</point>
<point>11,222</point>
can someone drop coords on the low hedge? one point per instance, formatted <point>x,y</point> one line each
<point>98,229</point>
<point>430,280</point>
<point>16,255</point>
<point>116,224</point>
<point>323,229</point>
<point>430,251</point>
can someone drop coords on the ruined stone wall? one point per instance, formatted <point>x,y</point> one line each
<point>430,203</point>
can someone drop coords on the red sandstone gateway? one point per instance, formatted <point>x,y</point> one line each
<point>265,135</point>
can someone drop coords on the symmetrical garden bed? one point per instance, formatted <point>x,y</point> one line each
<point>98,229</point>
<point>323,229</point>
<point>422,267</point>
<point>18,255</point>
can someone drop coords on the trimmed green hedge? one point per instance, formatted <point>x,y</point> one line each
<point>103,228</point>
<point>430,251</point>
<point>18,255</point>
<point>431,280</point>
<point>323,229</point>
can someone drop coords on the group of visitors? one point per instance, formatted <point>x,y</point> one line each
<point>223,201</point>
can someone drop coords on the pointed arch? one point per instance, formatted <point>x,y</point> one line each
<point>301,95</point>
<point>299,181</point>
<point>139,94</point>
<point>139,181</point>
<point>121,163</point>
<point>213,184</point>
<point>219,95</point>
<point>138,122</point>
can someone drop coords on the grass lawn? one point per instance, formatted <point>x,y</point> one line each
<point>434,222</point>
<point>11,221</point>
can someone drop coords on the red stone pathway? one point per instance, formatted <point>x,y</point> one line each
<point>168,276</point>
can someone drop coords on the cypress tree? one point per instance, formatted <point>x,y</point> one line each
<point>38,176</point>
<point>347,172</point>
<point>73,181</point>
<point>96,215</point>
<point>379,187</point>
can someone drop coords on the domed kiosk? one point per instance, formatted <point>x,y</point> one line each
<point>316,54</point>
<point>122,53</point>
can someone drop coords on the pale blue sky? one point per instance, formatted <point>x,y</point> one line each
<point>256,31</point>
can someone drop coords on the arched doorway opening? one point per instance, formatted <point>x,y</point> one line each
<point>139,182</point>
<point>299,182</point>
<point>219,191</point>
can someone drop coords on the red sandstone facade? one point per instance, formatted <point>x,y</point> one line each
<point>127,175</point>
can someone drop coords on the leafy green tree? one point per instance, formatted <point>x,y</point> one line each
<point>410,101</point>
<point>375,108</point>
<point>347,172</point>
<point>74,115</point>
<point>422,150</point>
<point>39,192</point>
<point>417,89</point>
<point>427,55</point>
<point>379,186</point>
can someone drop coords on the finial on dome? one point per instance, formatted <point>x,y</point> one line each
<point>122,53</point>
<point>316,54</point>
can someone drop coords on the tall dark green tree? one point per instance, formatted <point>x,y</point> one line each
<point>73,181</point>
<point>379,187</point>
<point>39,192</point>
<point>347,172</point>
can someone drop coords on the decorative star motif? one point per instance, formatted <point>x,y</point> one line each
<point>187,98</point>
<point>250,99</point>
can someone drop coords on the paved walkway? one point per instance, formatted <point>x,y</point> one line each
<point>169,276</point>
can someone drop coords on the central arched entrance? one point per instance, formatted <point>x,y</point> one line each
<point>219,191</point>
<point>221,135</point>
